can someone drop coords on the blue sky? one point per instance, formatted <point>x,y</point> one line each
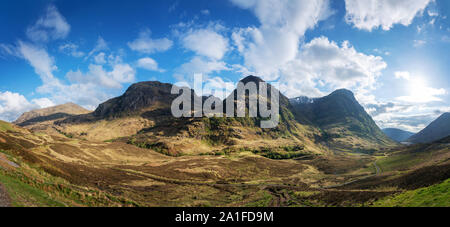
<point>392,54</point>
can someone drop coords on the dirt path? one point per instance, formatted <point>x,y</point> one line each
<point>4,198</point>
<point>378,170</point>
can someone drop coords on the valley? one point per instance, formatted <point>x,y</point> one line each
<point>134,153</point>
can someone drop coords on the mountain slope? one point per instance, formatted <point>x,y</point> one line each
<point>438,129</point>
<point>142,116</point>
<point>228,133</point>
<point>345,122</point>
<point>397,134</point>
<point>50,113</point>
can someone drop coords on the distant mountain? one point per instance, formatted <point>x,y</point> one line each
<point>397,134</point>
<point>343,119</point>
<point>50,114</point>
<point>438,129</point>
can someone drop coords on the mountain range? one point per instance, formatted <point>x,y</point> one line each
<point>142,115</point>
<point>398,134</point>
<point>131,151</point>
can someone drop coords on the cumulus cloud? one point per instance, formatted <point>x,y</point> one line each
<point>199,65</point>
<point>409,122</point>
<point>283,23</point>
<point>88,89</point>
<point>217,87</point>
<point>410,117</point>
<point>373,14</point>
<point>149,64</point>
<point>145,44</point>
<point>206,42</point>
<point>12,105</point>
<point>323,63</point>
<point>51,26</point>
<point>121,73</point>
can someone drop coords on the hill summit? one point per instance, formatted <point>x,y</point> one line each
<point>50,113</point>
<point>345,122</point>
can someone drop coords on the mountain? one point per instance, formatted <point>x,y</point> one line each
<point>345,122</point>
<point>438,129</point>
<point>302,100</point>
<point>397,134</point>
<point>50,114</point>
<point>142,116</point>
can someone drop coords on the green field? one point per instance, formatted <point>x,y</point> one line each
<point>433,196</point>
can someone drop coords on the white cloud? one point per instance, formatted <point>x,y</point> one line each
<point>145,44</point>
<point>199,65</point>
<point>71,49</point>
<point>100,58</point>
<point>40,60</point>
<point>123,73</point>
<point>12,105</point>
<point>323,63</point>
<point>97,75</point>
<point>283,23</point>
<point>403,75</point>
<point>433,13</point>
<point>410,117</point>
<point>101,45</point>
<point>217,87</point>
<point>51,26</point>
<point>43,102</point>
<point>372,14</point>
<point>87,90</point>
<point>206,42</point>
<point>148,64</point>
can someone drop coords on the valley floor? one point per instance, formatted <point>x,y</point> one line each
<point>43,170</point>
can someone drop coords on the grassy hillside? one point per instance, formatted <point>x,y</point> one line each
<point>433,196</point>
<point>345,123</point>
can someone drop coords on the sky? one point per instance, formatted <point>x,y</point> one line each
<point>392,54</point>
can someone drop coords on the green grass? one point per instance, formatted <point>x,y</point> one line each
<point>400,162</point>
<point>23,195</point>
<point>264,201</point>
<point>433,196</point>
<point>4,126</point>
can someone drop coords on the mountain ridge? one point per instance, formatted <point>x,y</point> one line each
<point>438,129</point>
<point>50,113</point>
<point>343,120</point>
<point>398,134</point>
<point>144,108</point>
